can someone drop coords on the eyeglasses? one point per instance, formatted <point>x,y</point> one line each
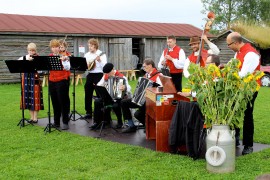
<point>230,43</point>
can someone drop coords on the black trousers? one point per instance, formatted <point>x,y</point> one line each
<point>248,126</point>
<point>126,104</point>
<point>59,92</point>
<point>177,81</point>
<point>101,112</point>
<point>91,80</point>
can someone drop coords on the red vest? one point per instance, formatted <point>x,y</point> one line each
<point>242,53</point>
<point>56,76</point>
<point>153,76</point>
<point>174,54</point>
<point>117,74</point>
<point>192,58</point>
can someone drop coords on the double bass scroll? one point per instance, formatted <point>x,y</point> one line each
<point>207,27</point>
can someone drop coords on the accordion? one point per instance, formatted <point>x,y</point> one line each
<point>113,87</point>
<point>139,94</point>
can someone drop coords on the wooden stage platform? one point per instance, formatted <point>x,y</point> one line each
<point>137,138</point>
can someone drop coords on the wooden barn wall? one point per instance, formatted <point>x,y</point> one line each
<point>225,53</point>
<point>118,50</point>
<point>14,46</point>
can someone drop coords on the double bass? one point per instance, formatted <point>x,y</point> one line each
<point>202,55</point>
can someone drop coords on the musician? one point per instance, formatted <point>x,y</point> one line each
<point>195,46</point>
<point>95,61</point>
<point>173,57</point>
<point>31,85</point>
<point>59,87</point>
<point>109,71</point>
<point>126,104</point>
<point>63,48</point>
<point>250,60</point>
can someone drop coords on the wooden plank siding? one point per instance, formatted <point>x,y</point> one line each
<point>117,49</point>
<point>13,47</point>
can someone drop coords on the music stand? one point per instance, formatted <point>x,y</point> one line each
<point>107,103</point>
<point>79,64</point>
<point>21,66</point>
<point>48,63</point>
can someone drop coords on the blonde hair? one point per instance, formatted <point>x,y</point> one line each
<point>54,43</point>
<point>94,42</point>
<point>32,46</point>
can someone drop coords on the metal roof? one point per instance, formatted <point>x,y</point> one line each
<point>45,24</point>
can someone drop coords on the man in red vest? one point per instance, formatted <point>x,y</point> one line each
<point>250,60</point>
<point>195,46</point>
<point>151,74</point>
<point>173,58</point>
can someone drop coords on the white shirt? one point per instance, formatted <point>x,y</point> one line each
<point>213,50</point>
<point>99,65</point>
<point>27,57</point>
<point>102,83</point>
<point>178,63</point>
<point>251,61</point>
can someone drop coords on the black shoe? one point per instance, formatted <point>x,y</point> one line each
<point>129,129</point>
<point>56,125</point>
<point>247,150</point>
<point>87,116</point>
<point>118,126</point>
<point>93,126</point>
<point>34,121</point>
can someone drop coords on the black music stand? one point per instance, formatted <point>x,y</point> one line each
<point>48,63</point>
<point>107,103</point>
<point>79,64</point>
<point>21,66</point>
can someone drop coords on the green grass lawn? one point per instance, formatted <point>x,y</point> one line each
<point>27,153</point>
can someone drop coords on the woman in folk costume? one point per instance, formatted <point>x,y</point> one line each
<point>31,85</point>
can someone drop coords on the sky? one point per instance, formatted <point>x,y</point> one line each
<point>170,11</point>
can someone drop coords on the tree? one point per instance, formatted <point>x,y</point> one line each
<point>229,11</point>
<point>225,11</point>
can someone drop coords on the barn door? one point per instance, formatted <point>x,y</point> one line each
<point>120,52</point>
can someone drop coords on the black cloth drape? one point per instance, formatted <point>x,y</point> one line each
<point>187,128</point>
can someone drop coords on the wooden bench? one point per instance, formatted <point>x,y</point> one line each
<point>130,74</point>
<point>78,78</point>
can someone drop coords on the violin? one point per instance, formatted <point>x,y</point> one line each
<point>202,55</point>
